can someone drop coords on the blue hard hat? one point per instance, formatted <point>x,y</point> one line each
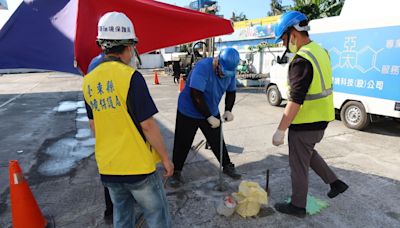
<point>287,20</point>
<point>229,60</point>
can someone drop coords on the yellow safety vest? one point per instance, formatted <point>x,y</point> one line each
<point>119,149</point>
<point>318,104</point>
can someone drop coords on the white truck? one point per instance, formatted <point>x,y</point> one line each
<point>364,47</point>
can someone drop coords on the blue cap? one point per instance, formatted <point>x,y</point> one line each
<point>286,21</point>
<point>229,60</point>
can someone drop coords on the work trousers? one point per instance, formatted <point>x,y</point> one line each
<point>302,155</point>
<point>107,198</point>
<point>185,130</point>
<point>148,194</point>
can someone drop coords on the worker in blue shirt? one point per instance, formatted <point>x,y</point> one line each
<point>209,80</point>
<point>95,62</point>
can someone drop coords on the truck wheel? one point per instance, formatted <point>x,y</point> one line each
<point>274,96</point>
<point>354,116</point>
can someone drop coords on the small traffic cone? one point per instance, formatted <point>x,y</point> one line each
<point>181,84</point>
<point>156,82</point>
<point>25,210</point>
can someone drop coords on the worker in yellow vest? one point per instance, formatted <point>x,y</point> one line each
<point>128,140</point>
<point>308,111</point>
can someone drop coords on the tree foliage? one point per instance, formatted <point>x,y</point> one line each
<point>276,8</point>
<point>238,17</point>
<point>318,8</point>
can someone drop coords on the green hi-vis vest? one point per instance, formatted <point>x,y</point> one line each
<point>318,104</point>
<point>119,149</point>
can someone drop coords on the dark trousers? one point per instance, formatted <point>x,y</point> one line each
<point>302,155</point>
<point>185,130</point>
<point>109,204</point>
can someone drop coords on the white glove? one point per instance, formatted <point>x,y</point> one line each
<point>228,116</point>
<point>278,138</point>
<point>214,122</point>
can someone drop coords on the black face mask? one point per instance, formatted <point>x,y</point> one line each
<point>284,58</point>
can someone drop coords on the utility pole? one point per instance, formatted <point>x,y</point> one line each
<point>209,8</point>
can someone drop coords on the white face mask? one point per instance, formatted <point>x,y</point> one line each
<point>133,61</point>
<point>293,46</point>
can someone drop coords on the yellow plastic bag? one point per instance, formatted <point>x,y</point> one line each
<point>249,198</point>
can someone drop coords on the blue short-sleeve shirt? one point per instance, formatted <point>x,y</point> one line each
<point>95,62</point>
<point>204,79</point>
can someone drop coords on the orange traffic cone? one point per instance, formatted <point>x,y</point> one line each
<point>181,84</point>
<point>25,210</point>
<point>156,82</point>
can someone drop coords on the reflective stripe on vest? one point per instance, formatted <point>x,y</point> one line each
<point>318,104</point>
<point>119,148</point>
<point>325,92</point>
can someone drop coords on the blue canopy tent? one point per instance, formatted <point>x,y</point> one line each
<point>31,38</point>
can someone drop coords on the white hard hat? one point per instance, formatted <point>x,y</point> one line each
<point>115,26</point>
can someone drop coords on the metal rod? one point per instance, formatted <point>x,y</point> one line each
<point>198,145</point>
<point>221,157</point>
<point>267,182</point>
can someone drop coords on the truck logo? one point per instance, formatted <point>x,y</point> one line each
<point>363,59</point>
